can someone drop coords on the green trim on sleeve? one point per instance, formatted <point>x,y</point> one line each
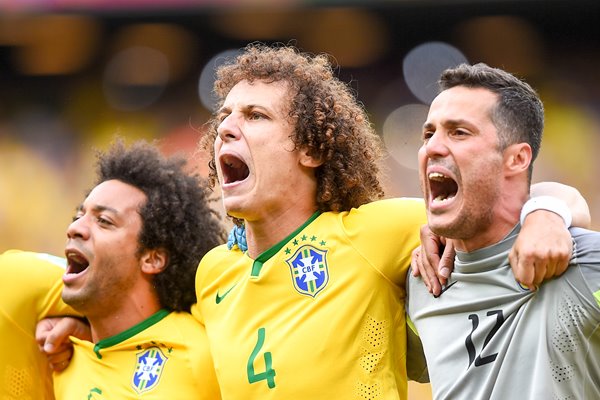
<point>597,297</point>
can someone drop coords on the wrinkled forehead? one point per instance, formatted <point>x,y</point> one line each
<point>276,96</point>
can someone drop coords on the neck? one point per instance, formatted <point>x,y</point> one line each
<point>505,215</point>
<point>498,229</point>
<point>261,235</point>
<point>131,312</point>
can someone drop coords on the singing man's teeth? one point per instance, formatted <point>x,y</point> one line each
<point>436,176</point>
<point>442,198</point>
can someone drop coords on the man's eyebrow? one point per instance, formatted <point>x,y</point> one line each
<point>455,122</point>
<point>222,110</point>
<point>428,126</point>
<point>246,108</point>
<point>252,106</point>
<point>452,123</point>
<point>98,208</point>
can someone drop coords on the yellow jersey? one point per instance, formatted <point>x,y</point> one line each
<point>319,315</point>
<point>30,289</point>
<point>163,357</point>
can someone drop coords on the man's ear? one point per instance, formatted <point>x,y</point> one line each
<point>306,160</point>
<point>154,261</point>
<point>517,158</point>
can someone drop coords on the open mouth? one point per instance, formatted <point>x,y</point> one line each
<point>442,187</point>
<point>76,263</point>
<point>233,169</point>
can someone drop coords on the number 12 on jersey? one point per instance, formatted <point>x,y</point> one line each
<point>269,373</point>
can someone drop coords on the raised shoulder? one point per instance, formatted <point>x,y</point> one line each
<point>385,232</point>
<point>390,216</point>
<point>28,258</point>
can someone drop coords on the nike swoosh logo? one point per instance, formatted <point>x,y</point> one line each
<point>219,299</point>
<point>444,289</point>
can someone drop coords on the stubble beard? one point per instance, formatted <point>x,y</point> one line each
<point>475,216</point>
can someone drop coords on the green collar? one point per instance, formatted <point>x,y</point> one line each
<point>126,334</point>
<point>267,254</point>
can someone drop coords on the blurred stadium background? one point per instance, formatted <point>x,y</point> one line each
<point>73,73</point>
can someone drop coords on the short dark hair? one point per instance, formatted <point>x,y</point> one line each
<point>176,216</point>
<point>519,113</point>
<point>328,119</point>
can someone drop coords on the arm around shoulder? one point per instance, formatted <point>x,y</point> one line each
<point>578,206</point>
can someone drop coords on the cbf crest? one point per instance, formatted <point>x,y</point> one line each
<point>149,367</point>
<point>309,270</point>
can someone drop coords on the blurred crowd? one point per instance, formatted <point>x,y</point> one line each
<point>71,79</point>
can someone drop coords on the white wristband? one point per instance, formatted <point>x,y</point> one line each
<point>548,203</point>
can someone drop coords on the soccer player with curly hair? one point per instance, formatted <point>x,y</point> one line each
<point>314,309</point>
<point>132,252</point>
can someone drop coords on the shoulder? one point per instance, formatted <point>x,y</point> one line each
<point>32,269</point>
<point>183,320</point>
<point>390,216</point>
<point>586,245</point>
<point>219,253</point>
<point>217,259</point>
<point>586,257</point>
<point>31,259</point>
<point>401,205</point>
<point>385,232</point>
<point>177,329</point>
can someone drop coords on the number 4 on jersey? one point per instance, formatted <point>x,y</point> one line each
<point>269,373</point>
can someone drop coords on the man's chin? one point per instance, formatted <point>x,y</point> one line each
<point>73,299</point>
<point>442,226</point>
<point>237,207</point>
<point>234,212</point>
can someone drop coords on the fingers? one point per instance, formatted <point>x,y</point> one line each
<point>419,269</point>
<point>423,269</point>
<point>415,262</point>
<point>542,249</point>
<point>431,248</point>
<point>427,268</point>
<point>60,360</point>
<point>446,262</point>
<point>52,336</point>
<point>42,330</point>
<point>58,336</point>
<point>564,260</point>
<point>532,268</point>
<point>60,366</point>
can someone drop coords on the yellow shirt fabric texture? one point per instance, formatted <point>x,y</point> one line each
<point>163,357</point>
<point>30,290</point>
<point>318,316</point>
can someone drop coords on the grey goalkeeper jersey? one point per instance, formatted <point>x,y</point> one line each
<point>487,337</point>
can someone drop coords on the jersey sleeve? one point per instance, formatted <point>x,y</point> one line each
<point>416,364</point>
<point>202,362</point>
<point>196,313</point>
<point>386,232</point>
<point>208,270</point>
<point>587,256</point>
<point>35,282</point>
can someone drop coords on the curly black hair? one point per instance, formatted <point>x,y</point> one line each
<point>176,216</point>
<point>329,122</point>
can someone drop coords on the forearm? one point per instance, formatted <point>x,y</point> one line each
<point>572,198</point>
